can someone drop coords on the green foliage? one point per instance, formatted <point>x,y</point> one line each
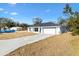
<point>23,25</point>
<point>7,22</point>
<point>10,23</point>
<point>68,10</point>
<point>73,23</point>
<point>73,20</point>
<point>75,31</point>
<point>62,21</point>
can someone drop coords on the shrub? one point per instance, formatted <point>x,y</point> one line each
<point>75,31</point>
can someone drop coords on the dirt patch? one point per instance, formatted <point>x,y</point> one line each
<point>59,45</point>
<point>15,35</point>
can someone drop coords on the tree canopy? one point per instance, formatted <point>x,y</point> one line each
<point>7,22</point>
<point>73,19</point>
<point>37,20</point>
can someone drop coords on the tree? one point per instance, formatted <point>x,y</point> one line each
<point>68,10</point>
<point>37,20</point>
<point>6,22</point>
<point>62,21</point>
<point>73,19</point>
<point>2,23</point>
<point>23,25</point>
<point>10,23</point>
<point>73,23</point>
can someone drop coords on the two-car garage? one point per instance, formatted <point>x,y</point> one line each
<point>49,31</point>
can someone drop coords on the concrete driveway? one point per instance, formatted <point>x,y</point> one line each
<point>7,46</point>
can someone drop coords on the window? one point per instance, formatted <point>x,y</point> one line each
<point>36,29</point>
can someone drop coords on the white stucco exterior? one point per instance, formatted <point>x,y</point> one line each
<point>54,30</point>
<point>16,28</point>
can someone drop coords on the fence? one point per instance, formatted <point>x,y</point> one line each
<point>7,31</point>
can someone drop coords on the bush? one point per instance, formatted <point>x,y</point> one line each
<point>75,31</point>
<point>73,34</point>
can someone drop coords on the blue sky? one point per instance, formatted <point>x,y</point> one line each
<point>25,12</point>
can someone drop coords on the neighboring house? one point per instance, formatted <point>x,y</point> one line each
<point>46,28</point>
<point>5,28</point>
<point>16,28</point>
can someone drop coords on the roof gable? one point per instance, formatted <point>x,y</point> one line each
<point>46,24</point>
<point>49,24</point>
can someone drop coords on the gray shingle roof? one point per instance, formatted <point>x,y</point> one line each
<point>45,24</point>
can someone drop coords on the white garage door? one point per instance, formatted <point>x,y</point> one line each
<point>50,31</point>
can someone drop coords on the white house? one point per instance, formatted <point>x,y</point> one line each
<point>16,28</point>
<point>46,28</point>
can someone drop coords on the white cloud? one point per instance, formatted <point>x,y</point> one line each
<point>12,4</point>
<point>11,18</point>
<point>13,13</point>
<point>1,9</point>
<point>48,10</point>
